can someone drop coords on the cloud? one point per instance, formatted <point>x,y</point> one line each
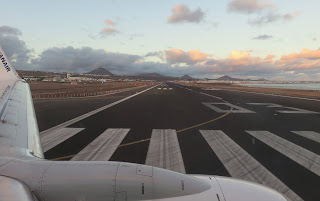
<point>272,17</point>
<point>176,56</point>
<point>178,62</point>
<point>249,6</point>
<point>6,30</point>
<point>290,16</point>
<point>181,13</point>
<point>304,54</point>
<point>303,65</point>
<point>70,59</point>
<point>109,22</point>
<point>108,31</point>
<point>160,54</point>
<point>262,11</point>
<point>263,37</point>
<point>14,47</point>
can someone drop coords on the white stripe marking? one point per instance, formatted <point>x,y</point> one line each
<point>292,110</point>
<point>241,164</point>
<point>164,151</point>
<point>102,148</point>
<point>52,139</point>
<point>235,109</point>
<point>304,157</point>
<point>208,95</point>
<point>211,89</point>
<point>309,134</point>
<point>72,121</point>
<point>278,95</point>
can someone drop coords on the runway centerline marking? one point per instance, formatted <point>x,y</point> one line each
<point>164,151</point>
<point>241,164</point>
<point>52,139</point>
<point>300,155</point>
<point>102,148</point>
<point>309,134</point>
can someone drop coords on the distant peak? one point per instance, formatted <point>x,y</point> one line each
<point>100,71</point>
<point>186,77</point>
<point>151,74</point>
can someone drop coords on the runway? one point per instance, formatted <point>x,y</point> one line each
<point>265,138</point>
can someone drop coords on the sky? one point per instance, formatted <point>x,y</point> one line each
<point>272,39</point>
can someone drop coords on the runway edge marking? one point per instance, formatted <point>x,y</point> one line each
<point>240,164</point>
<point>300,155</point>
<point>79,118</point>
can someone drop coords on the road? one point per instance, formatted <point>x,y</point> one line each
<point>268,139</point>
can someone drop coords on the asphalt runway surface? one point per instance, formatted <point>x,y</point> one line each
<point>268,139</point>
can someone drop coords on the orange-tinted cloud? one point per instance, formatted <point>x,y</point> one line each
<point>197,56</point>
<point>182,13</point>
<point>239,55</point>
<point>109,22</point>
<point>304,54</point>
<point>175,56</point>
<point>108,31</point>
<point>242,58</point>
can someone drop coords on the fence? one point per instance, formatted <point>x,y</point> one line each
<point>81,94</point>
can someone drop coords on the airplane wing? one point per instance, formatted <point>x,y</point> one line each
<point>19,135</point>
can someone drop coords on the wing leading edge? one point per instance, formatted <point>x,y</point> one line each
<point>19,135</point>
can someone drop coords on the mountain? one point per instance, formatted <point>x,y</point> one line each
<point>186,77</point>
<point>151,75</point>
<point>262,79</point>
<point>228,78</point>
<point>100,71</point>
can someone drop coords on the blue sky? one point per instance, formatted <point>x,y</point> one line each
<point>142,26</point>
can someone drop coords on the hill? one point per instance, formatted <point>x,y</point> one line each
<point>228,78</point>
<point>186,77</point>
<point>100,71</point>
<point>151,75</point>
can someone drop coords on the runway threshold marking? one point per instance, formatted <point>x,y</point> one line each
<point>164,151</point>
<point>79,118</point>
<point>52,139</point>
<point>179,131</point>
<point>300,155</point>
<point>309,134</point>
<point>240,164</point>
<point>102,148</point>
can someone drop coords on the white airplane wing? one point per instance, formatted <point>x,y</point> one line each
<point>19,135</point>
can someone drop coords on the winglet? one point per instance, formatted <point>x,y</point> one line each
<point>8,76</point>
